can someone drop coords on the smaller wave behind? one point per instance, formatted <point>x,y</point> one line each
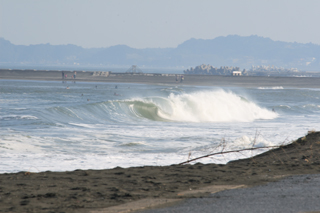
<point>18,117</point>
<point>270,87</point>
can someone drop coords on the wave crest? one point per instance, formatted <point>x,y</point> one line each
<point>206,106</point>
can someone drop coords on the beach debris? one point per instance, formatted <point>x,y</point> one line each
<point>226,152</point>
<point>27,173</point>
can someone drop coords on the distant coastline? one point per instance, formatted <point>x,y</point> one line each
<point>254,71</point>
<point>170,79</point>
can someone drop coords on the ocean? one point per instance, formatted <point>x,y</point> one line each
<point>55,126</point>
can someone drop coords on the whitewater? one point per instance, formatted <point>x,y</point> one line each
<point>45,126</point>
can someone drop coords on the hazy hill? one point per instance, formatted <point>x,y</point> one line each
<point>231,50</point>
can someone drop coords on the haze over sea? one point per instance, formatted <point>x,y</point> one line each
<point>45,126</point>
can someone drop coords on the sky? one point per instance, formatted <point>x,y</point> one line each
<point>155,23</point>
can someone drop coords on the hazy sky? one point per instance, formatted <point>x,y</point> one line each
<point>155,23</point>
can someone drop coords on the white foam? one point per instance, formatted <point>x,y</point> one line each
<point>245,142</point>
<point>16,143</point>
<point>19,108</point>
<point>28,117</point>
<point>270,87</point>
<point>138,143</point>
<point>29,153</point>
<point>37,162</point>
<point>84,125</point>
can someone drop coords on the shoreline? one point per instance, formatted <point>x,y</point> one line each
<point>104,190</point>
<point>169,79</point>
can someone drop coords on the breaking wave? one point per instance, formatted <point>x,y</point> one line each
<point>206,106</point>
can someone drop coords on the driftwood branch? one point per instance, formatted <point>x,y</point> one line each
<point>226,152</point>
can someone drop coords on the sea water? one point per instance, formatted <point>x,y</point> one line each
<point>66,126</point>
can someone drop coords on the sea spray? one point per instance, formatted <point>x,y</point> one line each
<point>210,106</point>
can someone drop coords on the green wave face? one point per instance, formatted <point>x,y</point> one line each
<point>147,110</point>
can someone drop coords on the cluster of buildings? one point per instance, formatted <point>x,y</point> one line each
<point>211,70</point>
<point>236,71</point>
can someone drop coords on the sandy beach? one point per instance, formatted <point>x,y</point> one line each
<point>98,190</point>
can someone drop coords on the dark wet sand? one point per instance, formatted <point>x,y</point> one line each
<point>94,190</point>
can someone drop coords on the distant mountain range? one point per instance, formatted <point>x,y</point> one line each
<point>232,50</point>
